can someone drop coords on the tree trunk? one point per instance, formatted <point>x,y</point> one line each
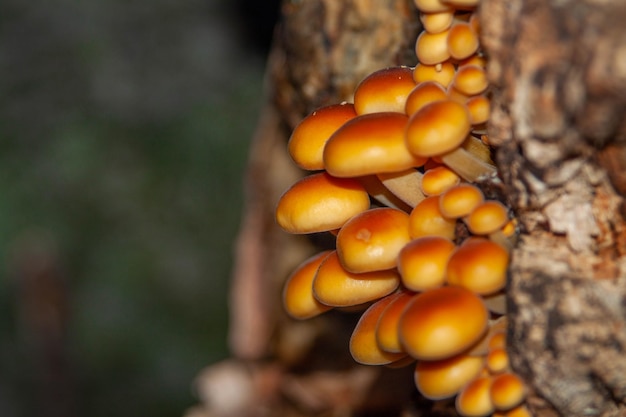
<point>558,76</point>
<point>558,70</point>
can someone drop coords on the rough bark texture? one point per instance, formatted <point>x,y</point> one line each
<point>558,71</point>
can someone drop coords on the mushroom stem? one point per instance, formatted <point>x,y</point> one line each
<point>406,185</point>
<point>467,165</point>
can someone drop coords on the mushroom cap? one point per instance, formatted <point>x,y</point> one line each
<point>319,203</point>
<point>442,322</point>
<point>437,22</point>
<point>422,262</point>
<point>371,240</point>
<point>474,399</point>
<point>462,41</point>
<point>384,90</point>
<point>423,94</point>
<point>432,48</point>
<point>298,297</point>
<point>363,344</point>
<point>426,220</point>
<point>437,380</point>
<point>507,391</point>
<point>306,144</point>
<point>479,109</point>
<point>431,6</point>
<point>437,128</point>
<point>470,80</point>
<point>460,200</point>
<point>497,360</point>
<point>479,265</point>
<point>487,217</point>
<point>335,286</point>
<point>387,328</point>
<point>438,180</point>
<point>370,144</point>
<point>442,73</point>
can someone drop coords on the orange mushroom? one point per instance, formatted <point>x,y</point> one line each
<point>320,203</point>
<point>424,93</point>
<point>363,344</point>
<point>442,322</point>
<point>462,41</point>
<point>387,328</point>
<point>426,219</point>
<point>384,90</point>
<point>298,298</point>
<point>371,240</point>
<point>442,73</point>
<point>437,380</point>
<point>432,48</point>
<point>460,201</point>
<point>437,22</point>
<point>306,144</point>
<point>438,180</point>
<point>474,399</point>
<point>333,285</point>
<point>479,265</point>
<point>370,144</point>
<point>507,391</point>
<point>422,262</point>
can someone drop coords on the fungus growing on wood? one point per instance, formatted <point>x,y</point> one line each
<point>306,144</point>
<point>437,380</point>
<point>422,262</point>
<point>298,298</point>
<point>333,285</point>
<point>370,144</point>
<point>319,203</point>
<point>371,240</point>
<point>442,322</point>
<point>384,90</point>
<point>363,344</point>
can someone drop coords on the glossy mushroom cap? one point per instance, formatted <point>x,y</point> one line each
<point>487,217</point>
<point>442,322</point>
<point>320,203</point>
<point>437,22</point>
<point>384,90</point>
<point>462,41</point>
<point>470,80</point>
<point>437,380</point>
<point>431,6</point>
<point>422,262</point>
<point>432,48</point>
<point>371,240</point>
<point>441,73</point>
<point>474,399</point>
<point>426,219</point>
<point>438,180</point>
<point>387,329</point>
<point>335,286</point>
<point>437,128</point>
<point>507,391</point>
<point>306,144</point>
<point>370,144</point>
<point>424,93</point>
<point>460,201</point>
<point>479,265</point>
<point>364,347</point>
<point>298,298</point>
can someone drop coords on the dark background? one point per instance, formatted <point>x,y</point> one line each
<point>124,128</point>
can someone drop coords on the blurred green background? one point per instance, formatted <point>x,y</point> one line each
<point>124,128</point>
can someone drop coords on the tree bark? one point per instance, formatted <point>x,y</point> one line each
<point>558,83</point>
<point>559,99</point>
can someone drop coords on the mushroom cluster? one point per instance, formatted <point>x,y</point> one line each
<point>395,178</point>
